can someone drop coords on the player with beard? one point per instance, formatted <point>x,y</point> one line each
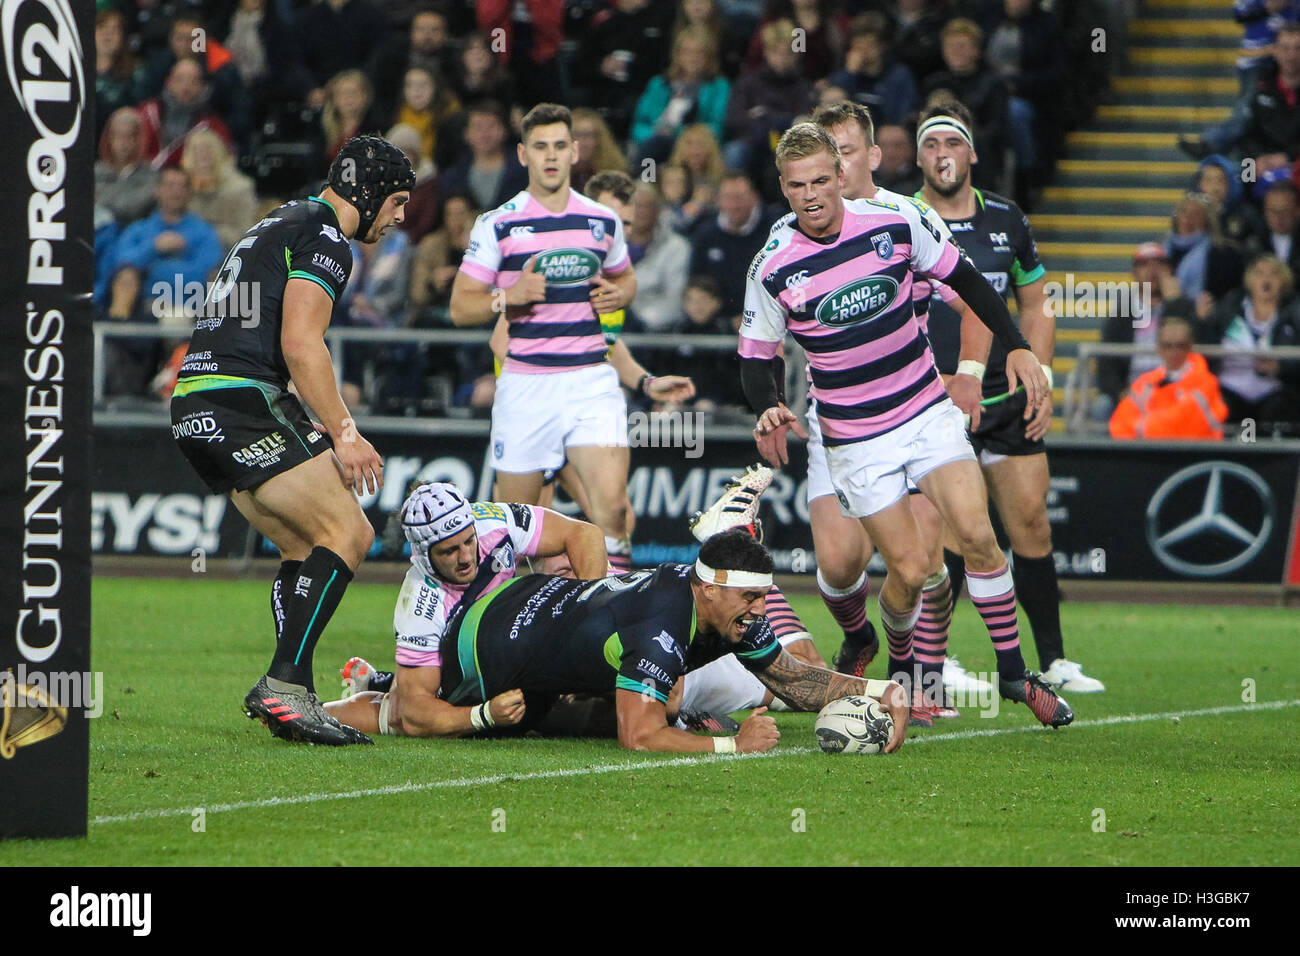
<point>248,436</point>
<point>839,279</point>
<point>996,236</point>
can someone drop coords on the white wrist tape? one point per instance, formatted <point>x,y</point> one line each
<point>877,688</point>
<point>972,368</point>
<point>481,717</point>
<point>1047,370</point>
<point>724,745</point>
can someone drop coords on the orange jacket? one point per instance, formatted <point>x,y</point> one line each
<point>1188,409</point>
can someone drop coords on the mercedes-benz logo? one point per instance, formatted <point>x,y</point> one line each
<point>1212,519</point>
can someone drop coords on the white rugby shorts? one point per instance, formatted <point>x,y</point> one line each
<point>535,417</point>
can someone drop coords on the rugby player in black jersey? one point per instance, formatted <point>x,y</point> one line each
<point>995,234</point>
<point>635,635</point>
<point>248,436</point>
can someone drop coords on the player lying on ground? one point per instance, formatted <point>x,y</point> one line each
<point>442,560</point>
<point>460,551</point>
<point>504,659</point>
<point>294,483</point>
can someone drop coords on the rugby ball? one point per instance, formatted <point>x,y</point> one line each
<point>853,725</point>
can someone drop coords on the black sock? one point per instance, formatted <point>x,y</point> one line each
<point>1038,594</point>
<point>956,565</point>
<point>317,590</point>
<point>279,593</point>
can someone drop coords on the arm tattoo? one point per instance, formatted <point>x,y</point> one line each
<point>805,687</point>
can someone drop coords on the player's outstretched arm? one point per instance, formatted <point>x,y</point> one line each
<point>305,317</point>
<point>809,688</point>
<point>582,541</point>
<point>643,725</point>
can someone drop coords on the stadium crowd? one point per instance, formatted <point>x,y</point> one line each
<point>210,114</point>
<point>1227,267</point>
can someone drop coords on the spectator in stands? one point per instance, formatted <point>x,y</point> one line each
<point>480,75</point>
<point>872,77</point>
<point>156,258</point>
<point>117,74</point>
<point>661,258</point>
<point>725,246</point>
<point>183,106</point>
<point>426,45</point>
<point>1202,262</point>
<point>149,25</point>
<point>980,90</point>
<point>1281,233</point>
<point>623,48</point>
<point>533,32</point>
<point>681,207</point>
<point>716,374</point>
<point>1159,297</point>
<point>1177,400</point>
<point>189,39</point>
<point>1267,123</point>
<point>437,258</point>
<point>221,195</point>
<point>764,103</point>
<point>697,151</point>
<point>264,48</point>
<point>1219,178</point>
<point>376,297</point>
<point>691,91</point>
<point>427,103</point>
<point>424,209</point>
<point>1262,316</point>
<point>347,110</point>
<point>732,40</point>
<point>823,35</point>
<point>898,170</point>
<point>917,25</point>
<point>124,182</point>
<point>597,149</point>
<point>1026,50</point>
<point>491,173</point>
<point>335,36</point>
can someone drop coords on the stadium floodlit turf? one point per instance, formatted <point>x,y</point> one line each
<point>1170,766</point>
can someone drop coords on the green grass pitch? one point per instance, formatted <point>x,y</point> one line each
<point>1197,789</point>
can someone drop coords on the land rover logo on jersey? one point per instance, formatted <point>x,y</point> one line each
<point>567,266</point>
<point>597,228</point>
<point>858,301</point>
<point>884,244</point>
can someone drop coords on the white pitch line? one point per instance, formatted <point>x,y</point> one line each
<point>653,764</point>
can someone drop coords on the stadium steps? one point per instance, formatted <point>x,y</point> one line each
<point>1123,173</point>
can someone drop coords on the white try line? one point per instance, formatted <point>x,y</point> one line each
<point>654,764</point>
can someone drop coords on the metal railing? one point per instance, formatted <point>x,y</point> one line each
<point>338,340</point>
<point>1079,385</point>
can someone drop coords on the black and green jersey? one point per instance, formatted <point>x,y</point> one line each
<point>238,333</point>
<point>548,635</point>
<point>1000,242</point>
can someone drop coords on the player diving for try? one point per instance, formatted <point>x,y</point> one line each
<point>248,436</point>
<point>504,659</point>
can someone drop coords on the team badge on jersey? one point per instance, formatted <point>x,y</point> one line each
<point>597,228</point>
<point>329,232</point>
<point>884,244</point>
<point>499,449</point>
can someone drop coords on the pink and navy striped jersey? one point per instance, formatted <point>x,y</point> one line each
<point>848,300</point>
<point>572,247</point>
<point>506,532</point>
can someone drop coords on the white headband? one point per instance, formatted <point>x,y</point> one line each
<point>733,579</point>
<point>944,124</point>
